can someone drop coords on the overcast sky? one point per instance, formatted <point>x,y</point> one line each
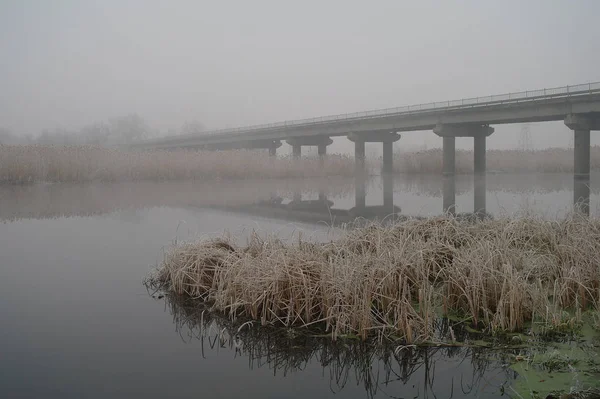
<point>71,62</point>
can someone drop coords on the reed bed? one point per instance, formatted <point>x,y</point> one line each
<point>552,160</point>
<point>31,163</point>
<point>396,280</point>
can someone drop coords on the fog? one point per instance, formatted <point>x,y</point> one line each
<point>70,63</point>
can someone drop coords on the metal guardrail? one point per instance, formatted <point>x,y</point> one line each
<point>523,96</point>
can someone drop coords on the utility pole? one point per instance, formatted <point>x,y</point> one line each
<point>525,143</point>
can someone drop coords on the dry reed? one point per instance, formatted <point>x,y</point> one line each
<point>551,160</point>
<point>395,280</point>
<point>29,163</point>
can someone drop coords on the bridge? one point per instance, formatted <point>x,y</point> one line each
<point>578,106</point>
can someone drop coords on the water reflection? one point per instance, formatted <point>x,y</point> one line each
<point>337,199</point>
<point>449,194</point>
<point>581,195</point>
<point>479,195</point>
<point>382,369</point>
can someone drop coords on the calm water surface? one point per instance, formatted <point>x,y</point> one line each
<point>77,322</point>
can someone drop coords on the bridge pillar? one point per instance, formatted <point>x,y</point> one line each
<point>384,137</point>
<point>320,141</point>
<point>360,192</point>
<point>388,157</point>
<point>322,151</point>
<point>359,156</point>
<point>388,191</point>
<point>479,168</point>
<point>582,125</point>
<point>449,194</point>
<point>272,151</point>
<point>448,156</point>
<point>479,134</point>
<point>479,145</point>
<point>296,150</point>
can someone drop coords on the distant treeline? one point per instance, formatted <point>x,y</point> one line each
<point>121,130</point>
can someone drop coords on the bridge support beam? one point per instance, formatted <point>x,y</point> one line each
<point>479,134</point>
<point>386,138</point>
<point>321,142</point>
<point>582,125</point>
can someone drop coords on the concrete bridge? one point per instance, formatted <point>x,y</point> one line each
<point>578,106</point>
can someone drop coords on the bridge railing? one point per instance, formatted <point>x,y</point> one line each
<point>523,96</point>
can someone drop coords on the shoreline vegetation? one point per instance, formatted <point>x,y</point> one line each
<point>22,164</point>
<point>40,163</point>
<point>396,282</point>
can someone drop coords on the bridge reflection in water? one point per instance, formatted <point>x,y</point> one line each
<point>338,200</point>
<point>323,209</point>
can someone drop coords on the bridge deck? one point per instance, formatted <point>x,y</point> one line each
<point>529,106</point>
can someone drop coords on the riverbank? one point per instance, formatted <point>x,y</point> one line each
<point>498,276</point>
<point>77,164</point>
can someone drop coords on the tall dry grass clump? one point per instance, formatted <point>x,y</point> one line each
<point>30,163</point>
<point>551,160</point>
<point>396,280</point>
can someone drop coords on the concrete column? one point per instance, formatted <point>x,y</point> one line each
<point>388,192</point>
<point>479,154</point>
<point>388,157</point>
<point>479,195</point>
<point>359,156</point>
<point>322,150</point>
<point>449,155</point>
<point>479,177</point>
<point>581,171</point>
<point>582,124</point>
<point>449,194</point>
<point>296,150</point>
<point>581,152</point>
<point>360,193</point>
<point>449,134</point>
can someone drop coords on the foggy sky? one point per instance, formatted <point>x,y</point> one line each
<point>67,63</point>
